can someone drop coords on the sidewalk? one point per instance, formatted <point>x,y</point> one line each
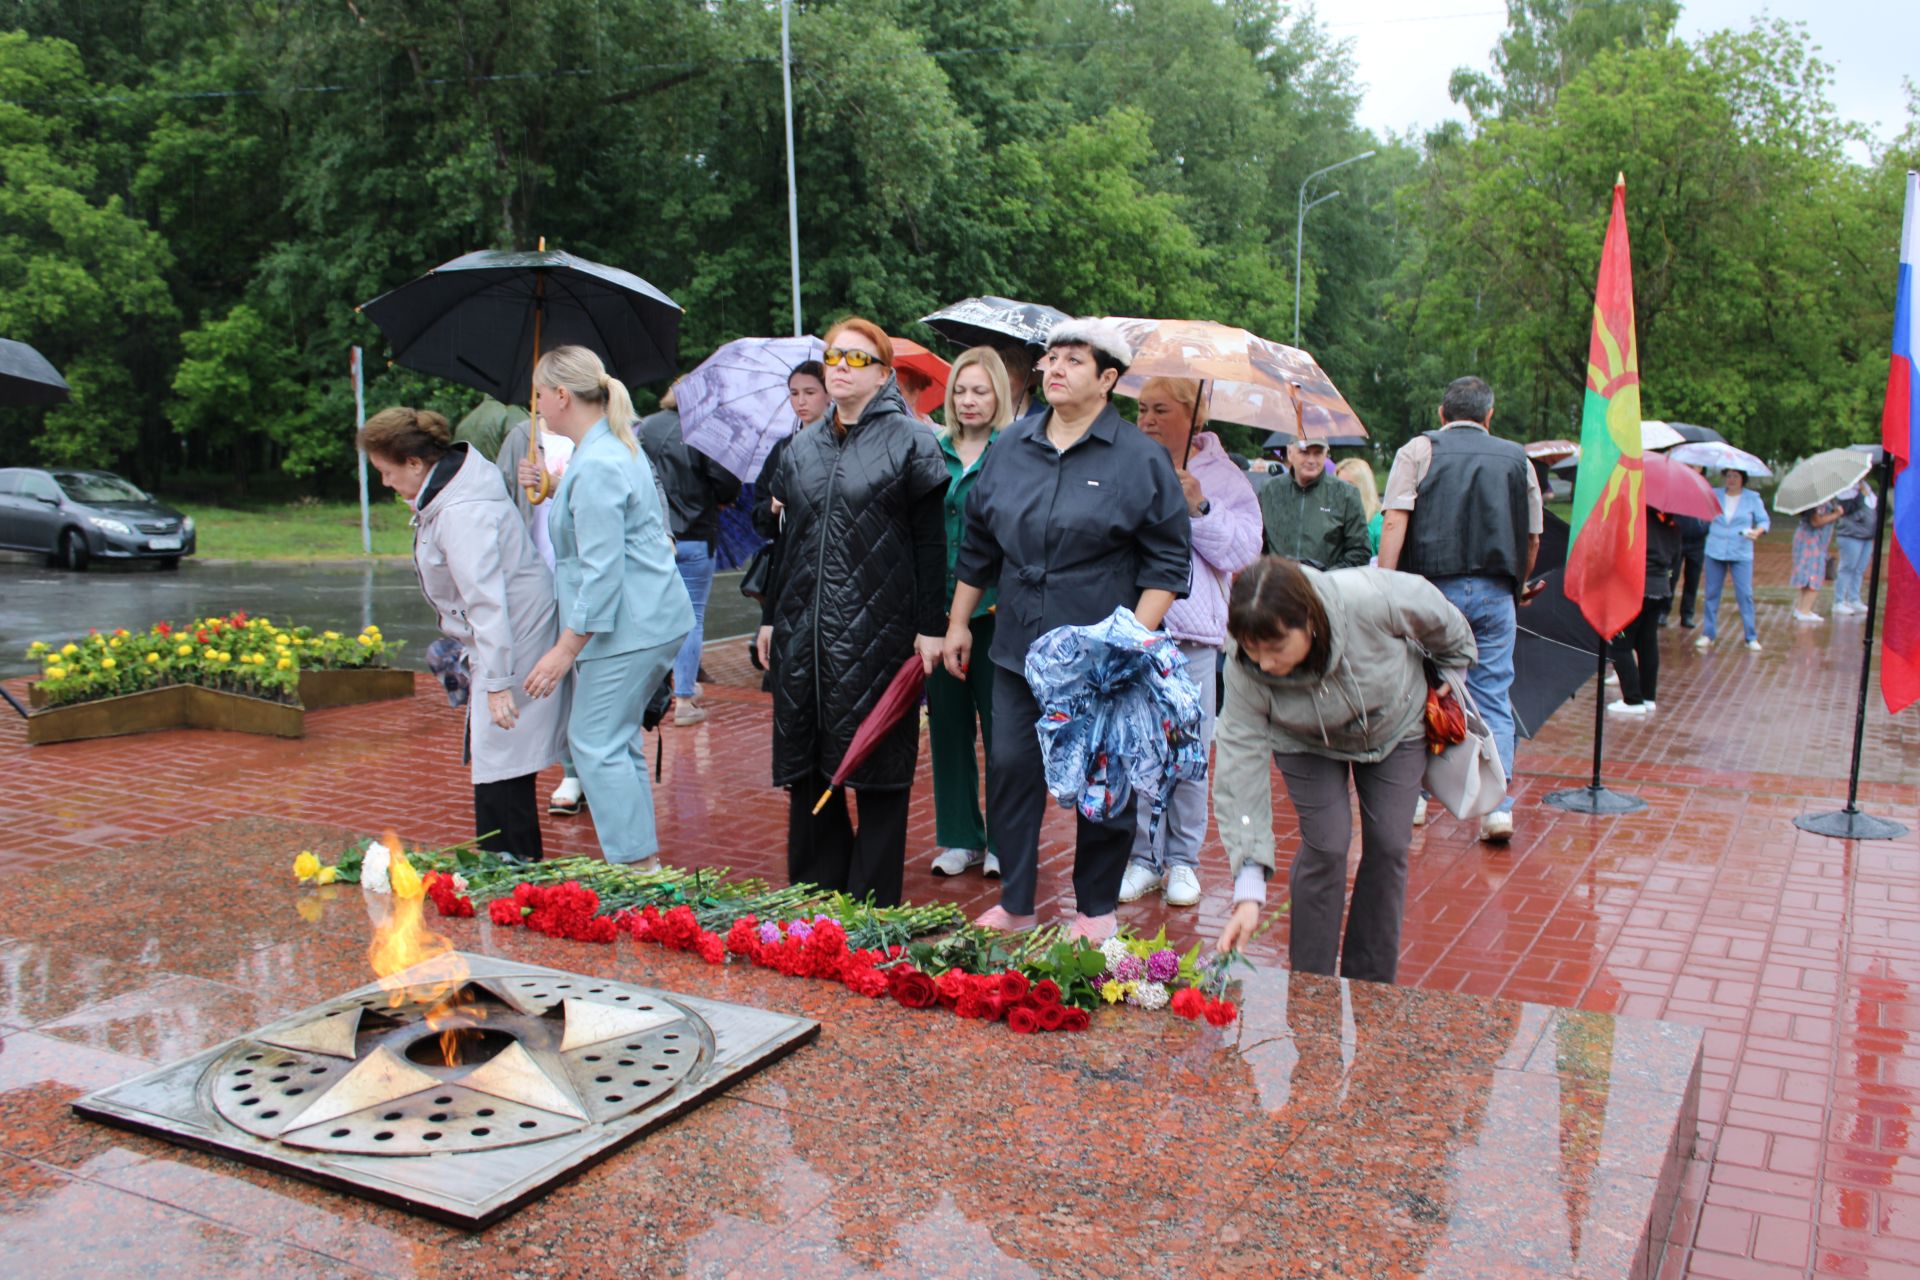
<point>1798,955</point>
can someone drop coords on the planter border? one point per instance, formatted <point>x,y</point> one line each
<point>192,706</point>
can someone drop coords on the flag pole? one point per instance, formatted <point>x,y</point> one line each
<point>1595,797</point>
<point>1849,823</point>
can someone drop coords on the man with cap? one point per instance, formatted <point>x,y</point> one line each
<point>1310,514</point>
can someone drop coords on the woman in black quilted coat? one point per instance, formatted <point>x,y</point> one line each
<point>860,590</point>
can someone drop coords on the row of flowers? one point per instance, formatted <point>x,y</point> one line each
<point>235,654</point>
<point>922,957</point>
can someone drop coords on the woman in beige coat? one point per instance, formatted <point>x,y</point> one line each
<point>494,594</point>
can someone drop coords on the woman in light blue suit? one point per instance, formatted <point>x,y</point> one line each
<point>624,611</point>
<point>1730,539</point>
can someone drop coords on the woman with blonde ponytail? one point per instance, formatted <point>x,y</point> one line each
<point>623,609</point>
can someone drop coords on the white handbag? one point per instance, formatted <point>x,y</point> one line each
<point>1466,778</point>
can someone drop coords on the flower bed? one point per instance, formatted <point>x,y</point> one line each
<point>919,956</point>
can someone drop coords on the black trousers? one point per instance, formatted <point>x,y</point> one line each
<point>1017,802</point>
<point>1685,584</point>
<point>824,848</point>
<point>1636,655</point>
<point>510,809</point>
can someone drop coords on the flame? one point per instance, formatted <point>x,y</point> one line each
<point>402,941</point>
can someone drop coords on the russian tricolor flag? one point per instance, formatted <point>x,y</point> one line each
<point>1899,424</point>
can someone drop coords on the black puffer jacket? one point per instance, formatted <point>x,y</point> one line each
<point>862,569</point>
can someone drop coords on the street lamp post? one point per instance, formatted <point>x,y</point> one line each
<point>1300,227</point>
<point>793,186</point>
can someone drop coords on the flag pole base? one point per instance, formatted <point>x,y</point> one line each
<point>1850,824</point>
<point>1591,799</point>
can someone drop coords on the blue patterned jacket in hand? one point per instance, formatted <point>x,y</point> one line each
<point>1119,714</point>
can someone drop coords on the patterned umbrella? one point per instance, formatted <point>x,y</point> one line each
<point>990,321</point>
<point>1552,451</point>
<point>1720,456</point>
<point>1252,381</point>
<point>734,408</point>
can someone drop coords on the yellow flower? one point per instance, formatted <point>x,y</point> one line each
<point>115,642</point>
<point>405,880</point>
<point>298,640</point>
<point>223,656</point>
<point>283,664</point>
<point>106,664</point>
<point>327,875</point>
<point>153,657</point>
<point>69,649</point>
<point>281,638</point>
<point>306,866</point>
<point>185,651</point>
<point>1112,991</point>
<point>56,673</point>
<point>331,635</point>
<point>365,642</point>
<point>38,646</point>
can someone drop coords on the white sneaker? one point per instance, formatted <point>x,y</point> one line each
<point>567,798</point>
<point>1848,606</point>
<point>1183,887</point>
<point>952,862</point>
<point>1753,646</point>
<point>1420,812</point>
<point>1139,881</point>
<point>1648,704</point>
<point>1807,617</point>
<point>1622,707</point>
<point>1497,826</point>
<point>1613,677</point>
<point>688,713</point>
<point>991,867</point>
<point>1703,643</point>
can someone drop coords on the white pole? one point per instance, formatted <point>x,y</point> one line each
<point>360,420</point>
<point>793,186</point>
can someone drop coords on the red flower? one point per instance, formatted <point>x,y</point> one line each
<point>1023,1020</point>
<point>504,911</point>
<point>971,1005</point>
<point>870,983</point>
<point>1046,991</point>
<point>912,988</point>
<point>1220,1013</point>
<point>1052,1017</point>
<point>1076,1020</point>
<point>953,985</point>
<point>711,948</point>
<point>1189,1003</point>
<point>1013,986</point>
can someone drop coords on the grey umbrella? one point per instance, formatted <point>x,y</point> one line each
<point>1822,477</point>
<point>1697,435</point>
<point>27,378</point>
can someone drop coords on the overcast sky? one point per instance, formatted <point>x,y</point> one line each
<point>1404,50</point>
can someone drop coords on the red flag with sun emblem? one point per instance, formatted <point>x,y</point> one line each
<point>1607,550</point>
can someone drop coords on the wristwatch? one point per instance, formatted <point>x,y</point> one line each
<point>1205,506</point>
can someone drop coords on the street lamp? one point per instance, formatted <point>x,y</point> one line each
<point>1300,227</point>
<point>793,186</point>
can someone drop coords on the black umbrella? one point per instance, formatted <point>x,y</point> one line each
<point>1281,439</point>
<point>482,320</point>
<point>27,379</point>
<point>989,321</point>
<point>1695,435</point>
<point>1553,651</point>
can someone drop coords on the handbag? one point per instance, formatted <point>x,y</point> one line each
<point>1466,777</point>
<point>757,582</point>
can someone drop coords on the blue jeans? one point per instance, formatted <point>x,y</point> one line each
<point>1717,572</point>
<point>1849,577</point>
<point>1489,607</point>
<point>695,562</point>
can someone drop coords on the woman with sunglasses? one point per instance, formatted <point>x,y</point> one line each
<point>858,592</point>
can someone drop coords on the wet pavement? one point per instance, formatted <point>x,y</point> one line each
<point>55,605</point>
<point>144,883</point>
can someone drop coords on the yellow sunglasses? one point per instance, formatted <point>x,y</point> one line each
<point>852,359</point>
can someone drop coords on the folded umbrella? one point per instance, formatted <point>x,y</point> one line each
<point>914,358</point>
<point>734,406</point>
<point>27,378</point>
<point>1719,455</point>
<point>901,695</point>
<point>990,321</point>
<point>1819,479</point>
<point>1677,489</point>
<point>1553,646</point>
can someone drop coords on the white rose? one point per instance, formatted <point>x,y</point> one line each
<point>374,869</point>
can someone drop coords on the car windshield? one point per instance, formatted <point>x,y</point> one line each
<point>97,488</point>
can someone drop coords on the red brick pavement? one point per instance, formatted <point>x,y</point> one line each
<point>1799,954</point>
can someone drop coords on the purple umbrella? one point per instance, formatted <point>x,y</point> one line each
<point>734,409</point>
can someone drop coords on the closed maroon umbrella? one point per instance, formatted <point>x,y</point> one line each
<point>901,695</point>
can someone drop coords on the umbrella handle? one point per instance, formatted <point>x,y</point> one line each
<point>822,802</point>
<point>537,494</point>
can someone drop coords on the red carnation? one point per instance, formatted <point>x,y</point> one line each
<point>1189,1003</point>
<point>504,911</point>
<point>1013,986</point>
<point>1023,1020</point>
<point>711,948</point>
<point>1220,1013</point>
<point>971,1005</point>
<point>1052,1017</point>
<point>1075,1020</point>
<point>870,983</point>
<point>599,929</point>
<point>1046,991</point>
<point>952,985</point>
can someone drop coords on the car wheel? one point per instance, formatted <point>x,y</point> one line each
<point>170,563</point>
<point>73,551</point>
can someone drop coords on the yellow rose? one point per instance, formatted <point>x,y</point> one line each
<point>327,875</point>
<point>306,866</point>
<point>283,664</point>
<point>404,879</point>
<point>56,673</point>
<point>185,651</point>
<point>106,664</point>
<point>69,649</point>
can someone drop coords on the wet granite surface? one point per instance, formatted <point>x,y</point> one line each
<point>1338,1130</point>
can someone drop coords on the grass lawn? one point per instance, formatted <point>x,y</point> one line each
<point>304,530</point>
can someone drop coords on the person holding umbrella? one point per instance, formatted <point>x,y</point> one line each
<point>1730,538</point>
<point>1226,539</point>
<point>624,611</point>
<point>492,595</point>
<point>1075,514</point>
<point>1811,538</point>
<point>858,592</point>
<point>978,409</point>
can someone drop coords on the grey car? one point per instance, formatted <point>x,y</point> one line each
<point>74,517</point>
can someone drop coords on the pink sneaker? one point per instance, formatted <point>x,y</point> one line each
<point>1095,929</point>
<point>1005,921</point>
